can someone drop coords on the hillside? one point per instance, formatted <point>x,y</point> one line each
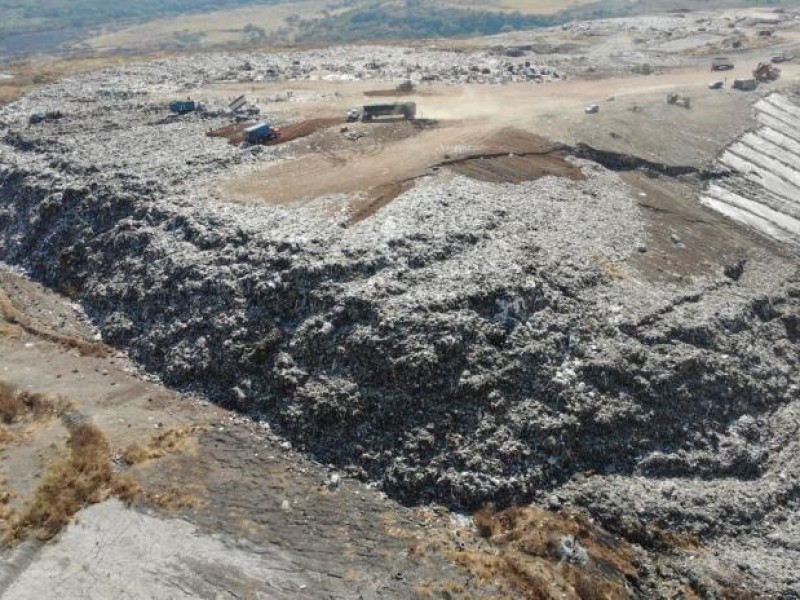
<point>150,25</point>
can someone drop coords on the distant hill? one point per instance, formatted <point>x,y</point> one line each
<point>27,16</point>
<point>42,25</point>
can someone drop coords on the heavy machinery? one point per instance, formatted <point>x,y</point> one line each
<point>745,85</point>
<point>261,133</point>
<point>766,72</point>
<point>678,100</point>
<point>722,63</point>
<point>370,112</point>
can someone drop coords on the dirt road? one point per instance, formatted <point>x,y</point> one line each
<point>633,118</point>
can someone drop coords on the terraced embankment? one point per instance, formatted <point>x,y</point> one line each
<point>765,195</point>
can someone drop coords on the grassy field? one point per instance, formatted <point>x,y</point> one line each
<point>530,7</point>
<point>250,25</point>
<point>321,20</point>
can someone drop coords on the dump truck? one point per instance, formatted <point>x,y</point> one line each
<point>261,133</point>
<point>182,107</point>
<point>745,85</point>
<point>407,110</point>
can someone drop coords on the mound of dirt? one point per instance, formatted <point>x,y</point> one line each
<point>306,128</point>
<point>390,157</point>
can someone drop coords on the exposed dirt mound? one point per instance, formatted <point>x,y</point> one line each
<point>385,165</point>
<point>514,156</point>
<point>306,128</point>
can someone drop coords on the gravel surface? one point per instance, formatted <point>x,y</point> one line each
<point>468,343</point>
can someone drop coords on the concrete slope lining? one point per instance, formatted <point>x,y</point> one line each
<point>765,195</point>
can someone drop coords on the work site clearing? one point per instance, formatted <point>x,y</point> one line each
<point>506,317</point>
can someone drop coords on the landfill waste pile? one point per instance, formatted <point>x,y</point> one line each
<point>465,344</point>
<point>356,63</point>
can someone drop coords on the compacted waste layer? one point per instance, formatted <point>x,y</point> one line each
<point>467,343</point>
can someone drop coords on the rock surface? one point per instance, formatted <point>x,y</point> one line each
<point>114,552</point>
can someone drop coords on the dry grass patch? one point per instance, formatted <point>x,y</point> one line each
<point>16,405</point>
<point>536,554</point>
<point>10,331</point>
<point>172,499</point>
<point>6,497</point>
<point>612,270</point>
<point>6,437</point>
<point>435,590</point>
<point>85,476</point>
<point>170,441</point>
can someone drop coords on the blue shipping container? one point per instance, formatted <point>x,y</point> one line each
<point>183,106</point>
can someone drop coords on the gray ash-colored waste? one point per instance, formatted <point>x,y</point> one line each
<point>462,345</point>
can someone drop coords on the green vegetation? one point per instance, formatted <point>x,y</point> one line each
<point>381,20</point>
<point>414,19</point>
<point>24,16</point>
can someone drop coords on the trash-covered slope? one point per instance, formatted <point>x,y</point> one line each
<point>467,343</point>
